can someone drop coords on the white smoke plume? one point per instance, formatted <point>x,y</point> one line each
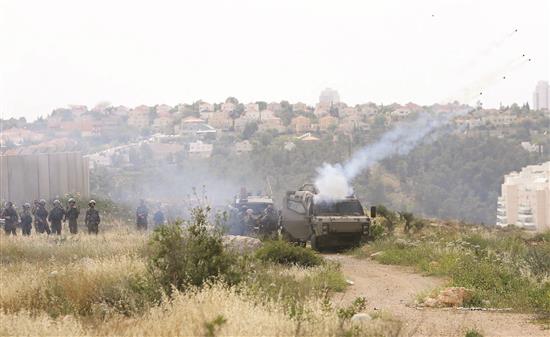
<point>334,181</point>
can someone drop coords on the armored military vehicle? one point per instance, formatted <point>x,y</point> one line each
<point>333,224</point>
<point>253,215</point>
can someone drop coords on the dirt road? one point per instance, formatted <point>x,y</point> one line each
<point>394,289</point>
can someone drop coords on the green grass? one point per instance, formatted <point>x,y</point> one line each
<point>297,283</point>
<point>283,252</point>
<point>505,269</point>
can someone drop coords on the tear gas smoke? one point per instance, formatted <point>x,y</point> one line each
<point>333,181</point>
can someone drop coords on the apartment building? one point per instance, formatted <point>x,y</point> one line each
<point>525,198</point>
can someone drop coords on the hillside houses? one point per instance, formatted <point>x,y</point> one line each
<point>139,117</point>
<point>300,124</point>
<point>199,128</point>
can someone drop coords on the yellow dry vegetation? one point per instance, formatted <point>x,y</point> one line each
<point>98,286</point>
<point>189,314</point>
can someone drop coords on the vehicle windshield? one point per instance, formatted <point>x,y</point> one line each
<point>348,207</point>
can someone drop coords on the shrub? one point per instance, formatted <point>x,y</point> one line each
<point>542,237</point>
<point>286,253</point>
<point>538,258</point>
<point>388,218</point>
<point>358,305</point>
<point>186,257</point>
<point>376,230</point>
<point>473,333</point>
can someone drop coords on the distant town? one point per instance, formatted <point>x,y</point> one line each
<point>107,133</point>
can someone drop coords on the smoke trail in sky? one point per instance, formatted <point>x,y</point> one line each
<point>334,181</point>
<point>490,48</point>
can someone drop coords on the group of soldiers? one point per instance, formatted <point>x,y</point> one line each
<point>244,222</point>
<point>142,215</point>
<point>48,221</point>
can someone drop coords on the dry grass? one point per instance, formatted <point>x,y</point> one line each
<point>189,314</point>
<point>79,287</point>
<point>97,285</point>
<point>25,324</point>
<point>67,248</point>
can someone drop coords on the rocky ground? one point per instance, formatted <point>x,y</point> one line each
<point>394,289</point>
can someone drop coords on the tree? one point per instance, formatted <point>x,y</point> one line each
<point>231,99</point>
<point>261,105</point>
<point>285,106</point>
<point>249,130</point>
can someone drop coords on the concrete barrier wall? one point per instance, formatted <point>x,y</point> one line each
<point>24,178</point>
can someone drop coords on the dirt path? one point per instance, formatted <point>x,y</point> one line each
<point>394,289</point>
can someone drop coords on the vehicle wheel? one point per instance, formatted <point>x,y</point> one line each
<point>315,243</point>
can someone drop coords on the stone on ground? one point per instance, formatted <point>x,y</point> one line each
<point>241,244</point>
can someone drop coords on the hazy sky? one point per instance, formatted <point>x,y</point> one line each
<point>129,52</point>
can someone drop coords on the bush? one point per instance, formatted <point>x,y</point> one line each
<point>388,218</point>
<point>377,230</point>
<point>538,259</point>
<point>473,333</point>
<point>189,257</point>
<point>285,253</point>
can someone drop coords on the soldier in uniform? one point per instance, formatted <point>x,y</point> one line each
<point>57,214</point>
<point>250,221</point>
<point>92,219</point>
<point>141,216</point>
<point>72,214</point>
<point>41,218</point>
<point>35,205</point>
<point>26,219</point>
<point>158,217</point>
<point>269,221</point>
<point>10,218</point>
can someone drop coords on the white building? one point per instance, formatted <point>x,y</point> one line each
<point>252,107</point>
<point>525,199</point>
<point>199,149</point>
<point>330,96</point>
<point>541,96</point>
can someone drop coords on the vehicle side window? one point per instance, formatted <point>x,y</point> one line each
<point>296,207</point>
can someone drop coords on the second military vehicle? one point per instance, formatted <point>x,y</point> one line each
<point>253,215</point>
<point>333,224</point>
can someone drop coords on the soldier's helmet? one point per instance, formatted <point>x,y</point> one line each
<point>92,202</point>
<point>56,202</point>
<point>71,201</point>
<point>26,205</point>
<point>9,204</point>
<point>249,211</point>
<point>42,202</point>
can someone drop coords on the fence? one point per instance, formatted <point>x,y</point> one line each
<point>24,178</point>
